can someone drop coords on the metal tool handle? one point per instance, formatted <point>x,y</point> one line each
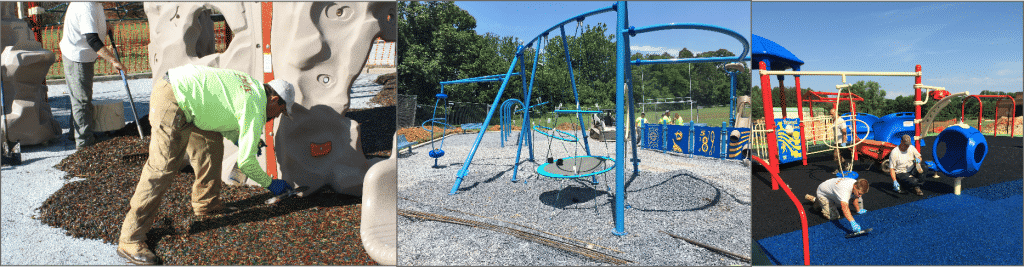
<point>3,111</point>
<point>131,100</point>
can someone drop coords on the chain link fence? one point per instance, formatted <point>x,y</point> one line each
<point>407,111</point>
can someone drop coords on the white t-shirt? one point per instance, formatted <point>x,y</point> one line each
<point>840,124</point>
<point>838,188</point>
<point>82,18</point>
<point>903,161</point>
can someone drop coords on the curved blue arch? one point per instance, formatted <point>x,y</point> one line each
<point>692,26</point>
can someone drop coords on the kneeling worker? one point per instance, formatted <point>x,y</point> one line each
<point>192,109</point>
<point>839,190</point>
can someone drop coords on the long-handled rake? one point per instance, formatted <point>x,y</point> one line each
<point>110,34</point>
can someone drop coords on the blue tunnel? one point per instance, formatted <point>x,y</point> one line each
<point>959,151</point>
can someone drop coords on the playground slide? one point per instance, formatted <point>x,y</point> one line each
<point>926,121</point>
<point>862,128</point>
<point>379,209</point>
<point>890,128</point>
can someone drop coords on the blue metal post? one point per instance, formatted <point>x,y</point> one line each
<point>664,140</point>
<point>621,61</point>
<point>476,144</point>
<point>723,145</point>
<point>692,139</point>
<point>526,109</point>
<point>732,98</point>
<point>572,79</point>
<point>525,134</point>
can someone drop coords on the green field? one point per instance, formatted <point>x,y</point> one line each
<point>713,116</point>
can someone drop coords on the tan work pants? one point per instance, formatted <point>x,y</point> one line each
<point>172,136</point>
<point>827,207</point>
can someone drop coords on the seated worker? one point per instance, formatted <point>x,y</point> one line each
<point>905,166</point>
<point>679,120</point>
<point>665,119</point>
<point>839,190</point>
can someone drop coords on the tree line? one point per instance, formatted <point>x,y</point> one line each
<point>876,103</point>
<point>438,42</point>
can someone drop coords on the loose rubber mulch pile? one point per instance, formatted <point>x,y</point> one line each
<point>387,96</point>
<point>377,125</point>
<point>321,229</point>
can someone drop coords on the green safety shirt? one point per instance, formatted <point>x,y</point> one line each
<point>665,120</point>
<point>229,102</point>
<point>680,121</point>
<point>640,122</point>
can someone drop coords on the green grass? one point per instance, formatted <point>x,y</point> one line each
<point>713,116</point>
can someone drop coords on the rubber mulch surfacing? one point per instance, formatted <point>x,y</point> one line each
<point>320,229</point>
<point>981,226</point>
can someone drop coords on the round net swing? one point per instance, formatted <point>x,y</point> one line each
<point>575,166</point>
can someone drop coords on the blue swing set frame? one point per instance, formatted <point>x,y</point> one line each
<point>623,88</point>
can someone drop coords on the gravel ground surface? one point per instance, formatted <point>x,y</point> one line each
<point>703,199</point>
<point>25,240</point>
<point>363,89</point>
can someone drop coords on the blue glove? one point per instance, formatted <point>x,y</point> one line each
<point>854,226</point>
<point>896,185</point>
<point>279,187</point>
<point>862,211</point>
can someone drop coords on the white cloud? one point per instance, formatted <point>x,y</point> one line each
<point>653,50</point>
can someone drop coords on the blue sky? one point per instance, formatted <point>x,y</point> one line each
<point>963,46</point>
<point>527,19</point>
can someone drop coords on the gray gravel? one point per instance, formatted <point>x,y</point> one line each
<point>703,199</point>
<point>25,240</point>
<point>363,89</point>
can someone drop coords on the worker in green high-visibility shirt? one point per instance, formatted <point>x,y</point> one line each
<point>192,109</point>
<point>665,119</point>
<point>679,120</point>
<point>640,126</point>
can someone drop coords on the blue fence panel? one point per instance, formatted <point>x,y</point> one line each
<point>788,133</point>
<point>679,136</point>
<point>706,141</point>
<point>738,145</point>
<point>652,136</point>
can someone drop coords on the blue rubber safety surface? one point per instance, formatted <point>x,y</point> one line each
<point>982,226</point>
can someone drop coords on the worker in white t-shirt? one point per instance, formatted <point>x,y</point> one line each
<point>84,28</point>
<point>840,135</point>
<point>839,191</point>
<point>905,166</point>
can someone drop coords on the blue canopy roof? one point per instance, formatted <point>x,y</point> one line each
<point>777,56</point>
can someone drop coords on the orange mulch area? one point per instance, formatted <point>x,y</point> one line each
<point>568,126</point>
<point>387,96</point>
<point>419,135</point>
<point>986,126</point>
